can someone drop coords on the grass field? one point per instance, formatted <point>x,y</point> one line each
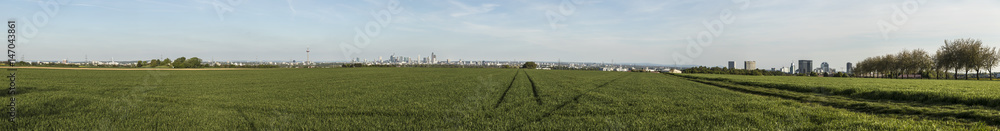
<point>974,101</point>
<point>420,99</point>
<point>981,93</point>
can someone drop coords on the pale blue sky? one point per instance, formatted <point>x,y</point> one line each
<point>772,32</point>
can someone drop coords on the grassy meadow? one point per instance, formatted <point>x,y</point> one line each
<point>443,99</point>
<point>965,100</point>
<point>982,93</point>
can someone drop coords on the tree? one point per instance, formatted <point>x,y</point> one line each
<point>951,55</point>
<point>919,61</point>
<point>140,63</point>
<point>992,56</point>
<point>194,62</point>
<point>179,62</point>
<point>968,54</point>
<point>154,63</point>
<point>941,61</point>
<point>165,62</point>
<point>529,65</point>
<point>887,65</point>
<point>965,54</point>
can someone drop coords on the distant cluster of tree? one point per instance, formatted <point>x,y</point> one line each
<point>719,70</point>
<point>182,62</point>
<point>355,65</point>
<point>246,66</point>
<point>529,65</point>
<point>960,54</point>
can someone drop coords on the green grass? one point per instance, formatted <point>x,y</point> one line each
<point>975,93</point>
<point>418,99</point>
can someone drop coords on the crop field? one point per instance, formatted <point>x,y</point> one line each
<point>450,99</point>
<point>981,93</point>
<point>966,100</point>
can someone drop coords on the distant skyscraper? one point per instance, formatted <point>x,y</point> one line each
<point>791,68</point>
<point>732,65</point>
<point>749,65</point>
<point>824,67</point>
<point>849,67</point>
<point>434,58</point>
<point>805,66</point>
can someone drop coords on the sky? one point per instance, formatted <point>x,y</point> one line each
<point>774,33</point>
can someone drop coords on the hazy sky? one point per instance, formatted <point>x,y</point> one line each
<point>772,32</point>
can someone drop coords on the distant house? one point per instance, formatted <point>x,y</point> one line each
<point>675,71</point>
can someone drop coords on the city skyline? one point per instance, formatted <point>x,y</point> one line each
<point>770,32</point>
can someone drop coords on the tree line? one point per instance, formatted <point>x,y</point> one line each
<point>182,62</point>
<point>956,55</point>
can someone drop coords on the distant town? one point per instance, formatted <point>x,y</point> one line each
<point>392,60</point>
<point>804,67</point>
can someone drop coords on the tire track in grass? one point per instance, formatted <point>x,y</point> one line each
<point>576,99</point>
<point>534,89</point>
<point>508,89</point>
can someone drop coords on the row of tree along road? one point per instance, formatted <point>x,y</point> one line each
<point>957,56</point>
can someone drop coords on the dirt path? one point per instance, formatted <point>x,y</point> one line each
<point>81,68</point>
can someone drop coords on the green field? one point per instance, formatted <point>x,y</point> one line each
<point>971,101</point>
<point>976,93</point>
<point>433,99</point>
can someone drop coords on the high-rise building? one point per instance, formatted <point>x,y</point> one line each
<point>434,58</point>
<point>805,66</point>
<point>732,65</point>
<point>849,67</point>
<point>824,67</point>
<point>791,68</point>
<point>750,65</point>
